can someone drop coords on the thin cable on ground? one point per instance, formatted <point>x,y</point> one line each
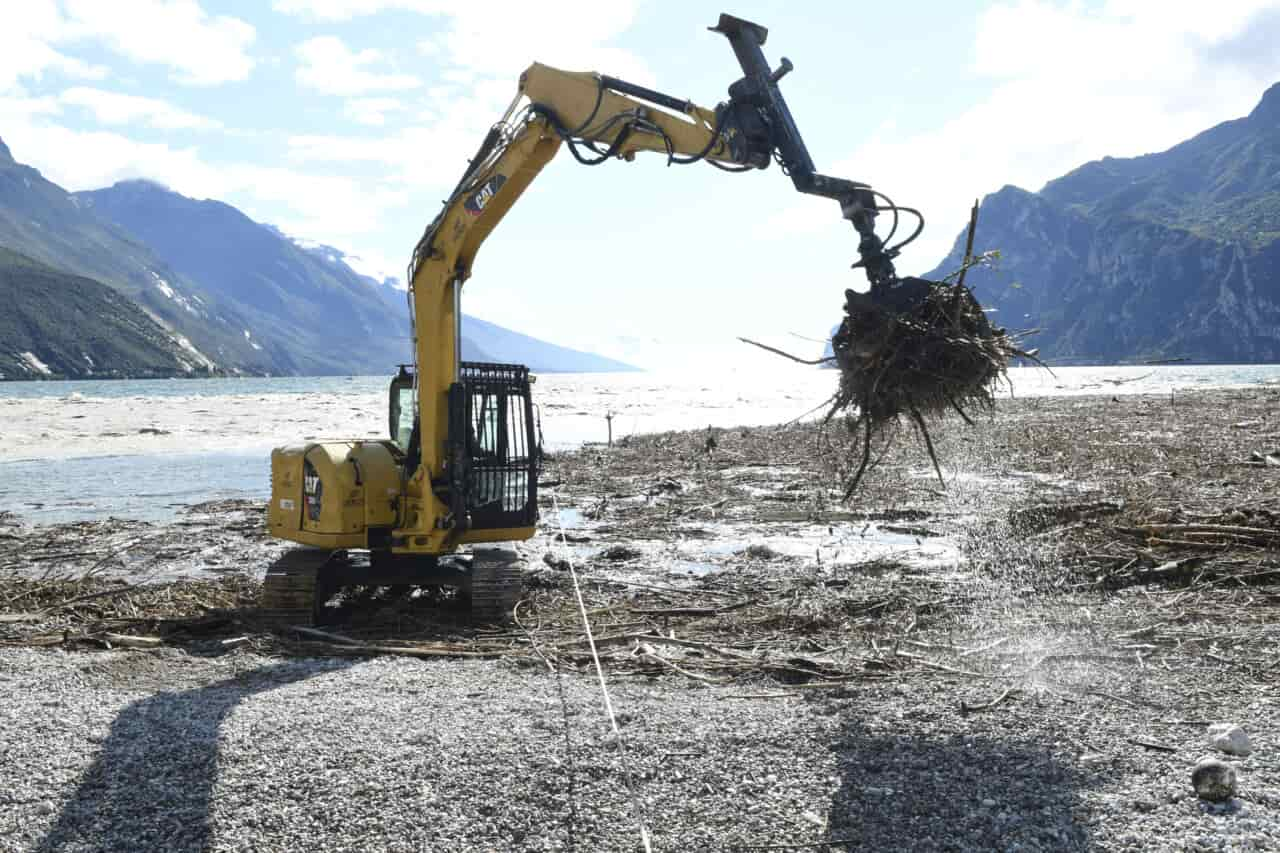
<point>604,687</point>
<point>570,764</point>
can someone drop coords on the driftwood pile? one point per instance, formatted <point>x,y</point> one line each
<point>794,631</point>
<point>1235,548</point>
<point>112,612</point>
<point>926,348</point>
<point>917,348</point>
<point>921,350</point>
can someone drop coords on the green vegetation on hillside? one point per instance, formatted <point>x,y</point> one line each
<point>57,325</point>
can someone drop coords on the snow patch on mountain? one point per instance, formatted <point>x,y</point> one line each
<point>163,286</point>
<point>201,358</point>
<point>376,271</point>
<point>36,364</point>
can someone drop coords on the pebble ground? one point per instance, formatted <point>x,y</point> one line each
<point>163,750</point>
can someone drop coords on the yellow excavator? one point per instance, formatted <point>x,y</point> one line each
<point>460,467</point>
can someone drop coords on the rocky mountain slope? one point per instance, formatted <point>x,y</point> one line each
<point>310,315</point>
<point>54,324</point>
<point>42,221</point>
<point>312,311</point>
<point>482,340</point>
<point>1169,255</point>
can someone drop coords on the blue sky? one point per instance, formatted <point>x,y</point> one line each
<point>346,121</point>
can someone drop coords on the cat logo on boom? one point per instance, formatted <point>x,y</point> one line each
<point>481,197</point>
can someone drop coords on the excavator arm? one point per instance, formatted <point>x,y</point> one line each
<point>467,471</point>
<point>598,118</point>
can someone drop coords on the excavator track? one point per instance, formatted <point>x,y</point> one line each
<point>497,579</point>
<point>299,584</point>
<point>290,590</point>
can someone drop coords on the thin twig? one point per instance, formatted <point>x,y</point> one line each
<point>787,354</point>
<point>966,708</point>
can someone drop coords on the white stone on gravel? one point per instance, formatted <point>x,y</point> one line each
<point>1230,738</point>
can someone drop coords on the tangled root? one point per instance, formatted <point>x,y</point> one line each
<point>918,349</point>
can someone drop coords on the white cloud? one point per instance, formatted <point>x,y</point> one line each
<point>477,65</point>
<point>179,34</point>
<point>377,266</point>
<point>371,111</point>
<point>118,108</point>
<point>18,108</point>
<point>331,208</point>
<point>344,10</point>
<point>26,45</point>
<point>1071,84</point>
<point>465,116</point>
<point>203,49</point>
<point>566,33</point>
<point>501,37</point>
<point>329,66</point>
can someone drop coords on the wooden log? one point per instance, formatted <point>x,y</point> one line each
<point>127,641</point>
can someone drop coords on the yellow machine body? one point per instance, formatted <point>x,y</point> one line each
<point>348,494</point>
<point>331,495</point>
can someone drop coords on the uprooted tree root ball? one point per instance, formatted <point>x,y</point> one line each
<point>916,348</point>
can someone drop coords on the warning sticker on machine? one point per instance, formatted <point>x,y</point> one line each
<point>286,503</point>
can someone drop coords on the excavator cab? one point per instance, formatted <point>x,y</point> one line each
<point>493,452</point>
<point>491,478</point>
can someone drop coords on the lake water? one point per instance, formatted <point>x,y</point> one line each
<point>73,473</point>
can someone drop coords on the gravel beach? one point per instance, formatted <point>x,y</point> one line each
<point>164,751</point>
<point>1049,689</point>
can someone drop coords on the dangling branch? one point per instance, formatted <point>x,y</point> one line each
<point>866,457</point>
<point>928,443</point>
<point>959,411</point>
<point>968,243</point>
<point>826,360</point>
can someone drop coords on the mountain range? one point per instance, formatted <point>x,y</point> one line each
<point>1172,255</point>
<point>1169,255</point>
<point>212,291</point>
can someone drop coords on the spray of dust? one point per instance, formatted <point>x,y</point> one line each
<point>1017,619</point>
